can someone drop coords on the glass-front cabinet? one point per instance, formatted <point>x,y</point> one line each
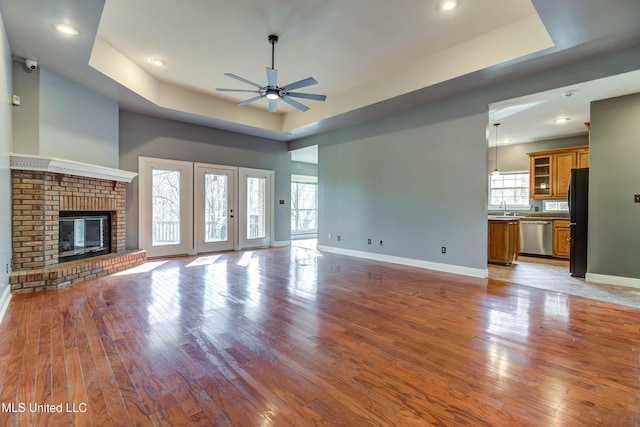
<point>550,171</point>
<point>540,176</point>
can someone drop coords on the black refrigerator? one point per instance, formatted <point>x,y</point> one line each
<point>579,215</point>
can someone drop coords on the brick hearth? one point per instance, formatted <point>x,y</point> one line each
<point>37,199</point>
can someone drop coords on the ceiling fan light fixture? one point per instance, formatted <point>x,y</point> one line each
<point>272,91</point>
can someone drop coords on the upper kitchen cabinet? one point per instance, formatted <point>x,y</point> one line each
<point>550,171</point>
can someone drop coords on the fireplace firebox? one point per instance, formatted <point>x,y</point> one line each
<point>83,235</point>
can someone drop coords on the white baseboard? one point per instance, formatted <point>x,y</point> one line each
<point>4,301</point>
<point>281,243</point>
<point>613,280</point>
<point>448,268</point>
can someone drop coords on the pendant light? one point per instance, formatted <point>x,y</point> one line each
<point>496,172</point>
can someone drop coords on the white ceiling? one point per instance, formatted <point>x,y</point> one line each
<point>532,118</point>
<point>342,44</point>
<point>371,57</point>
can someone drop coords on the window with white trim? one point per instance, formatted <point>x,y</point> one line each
<point>555,206</point>
<point>511,188</point>
<point>304,204</point>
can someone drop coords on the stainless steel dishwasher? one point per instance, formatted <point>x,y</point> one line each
<point>536,237</point>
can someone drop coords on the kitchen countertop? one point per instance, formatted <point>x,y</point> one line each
<point>504,218</point>
<point>529,216</point>
<point>543,218</point>
<point>526,218</point>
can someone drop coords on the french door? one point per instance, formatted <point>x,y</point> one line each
<point>188,208</point>
<point>215,226</point>
<point>256,208</point>
<point>166,202</point>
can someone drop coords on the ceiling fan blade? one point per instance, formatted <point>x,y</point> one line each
<point>296,104</point>
<point>301,83</point>
<point>272,77</point>
<point>237,90</point>
<point>307,96</point>
<point>243,103</point>
<point>273,105</point>
<point>233,76</point>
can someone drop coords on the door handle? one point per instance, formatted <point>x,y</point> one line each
<point>568,239</point>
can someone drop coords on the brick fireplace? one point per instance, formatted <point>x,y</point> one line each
<point>42,188</point>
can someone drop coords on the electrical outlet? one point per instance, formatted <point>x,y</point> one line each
<point>329,236</point>
<point>443,250</point>
<point>636,198</point>
<point>338,237</point>
<point>368,241</point>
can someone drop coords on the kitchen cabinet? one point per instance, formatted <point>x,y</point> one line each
<point>504,240</point>
<point>550,171</point>
<point>583,159</point>
<point>562,165</point>
<point>561,235</point>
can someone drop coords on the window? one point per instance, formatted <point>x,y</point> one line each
<point>511,188</point>
<point>304,196</point>
<point>555,206</point>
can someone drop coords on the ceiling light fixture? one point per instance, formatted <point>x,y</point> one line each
<point>158,62</point>
<point>562,120</point>
<point>272,94</point>
<point>448,5</point>
<point>66,29</point>
<point>496,172</point>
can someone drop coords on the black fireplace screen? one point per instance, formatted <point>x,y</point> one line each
<point>83,235</point>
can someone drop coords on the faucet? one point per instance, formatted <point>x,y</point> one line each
<point>504,204</point>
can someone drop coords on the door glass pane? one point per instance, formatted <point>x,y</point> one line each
<point>215,208</point>
<point>166,207</point>
<point>256,208</point>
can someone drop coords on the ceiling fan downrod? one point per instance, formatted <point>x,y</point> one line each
<point>273,39</point>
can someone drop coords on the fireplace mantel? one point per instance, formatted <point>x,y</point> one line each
<point>32,162</point>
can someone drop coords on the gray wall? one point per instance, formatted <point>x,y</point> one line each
<point>76,124</point>
<point>301,168</point>
<point>26,118</point>
<point>409,181</point>
<point>419,180</point>
<point>152,137</point>
<point>5,148</point>
<point>614,179</point>
<point>58,118</point>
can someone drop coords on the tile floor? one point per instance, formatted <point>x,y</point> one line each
<point>548,274</point>
<point>553,275</point>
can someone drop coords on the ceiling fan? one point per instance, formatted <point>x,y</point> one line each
<point>272,91</point>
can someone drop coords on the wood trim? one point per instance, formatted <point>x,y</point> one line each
<point>559,150</point>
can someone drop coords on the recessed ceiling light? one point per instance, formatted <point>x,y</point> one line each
<point>562,120</point>
<point>66,29</point>
<point>158,62</point>
<point>448,4</point>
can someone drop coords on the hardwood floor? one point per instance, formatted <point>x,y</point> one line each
<point>293,337</point>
